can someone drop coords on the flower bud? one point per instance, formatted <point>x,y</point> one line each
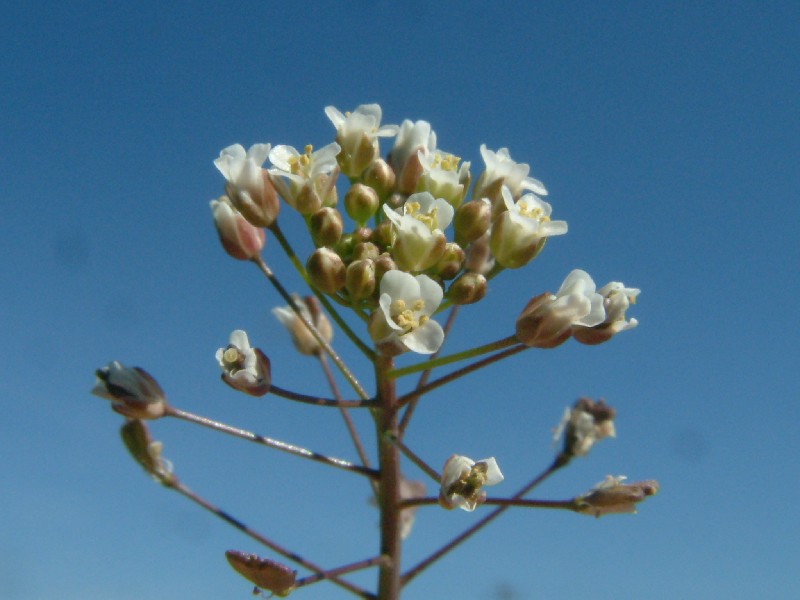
<point>365,250</point>
<point>383,264</point>
<point>239,238</point>
<point>272,576</point>
<point>380,177</point>
<point>479,258</point>
<point>450,263</point>
<point>467,289</point>
<point>244,368</point>
<point>303,339</point>
<point>360,278</point>
<point>326,270</point>
<point>472,220</point>
<point>361,202</point>
<point>145,451</point>
<point>382,235</point>
<point>611,496</point>
<point>326,226</point>
<point>132,391</point>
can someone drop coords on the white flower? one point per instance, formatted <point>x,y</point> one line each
<point>616,300</point>
<point>248,184</point>
<point>518,233</point>
<point>412,139</point>
<point>133,391</point>
<point>241,239</point>
<point>502,170</point>
<point>303,339</point>
<point>357,133</point>
<point>546,320</point>
<point>311,175</point>
<point>418,228</point>
<point>443,177</point>
<point>244,368</point>
<point>462,480</point>
<point>406,304</point>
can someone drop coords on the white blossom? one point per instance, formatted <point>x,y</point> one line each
<point>244,368</point>
<point>419,239</point>
<point>412,139</point>
<point>444,176</point>
<point>357,133</point>
<point>462,480</point>
<point>311,176</point>
<point>248,184</point>
<point>501,169</point>
<point>406,304</point>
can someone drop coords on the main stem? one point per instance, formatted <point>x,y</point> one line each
<point>389,488</point>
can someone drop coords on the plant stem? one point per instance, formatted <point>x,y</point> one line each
<point>317,401</point>
<point>389,488</point>
<point>351,379</point>
<point>176,485</point>
<point>270,443</point>
<point>413,457</point>
<point>520,502</point>
<point>451,358</point>
<point>323,299</point>
<point>332,573</point>
<point>403,400</point>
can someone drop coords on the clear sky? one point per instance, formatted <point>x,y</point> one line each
<point>667,135</point>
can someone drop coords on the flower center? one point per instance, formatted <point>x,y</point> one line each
<point>446,162</point>
<point>428,219</point>
<point>408,317</point>
<point>233,359</point>
<point>300,164</point>
<point>532,212</point>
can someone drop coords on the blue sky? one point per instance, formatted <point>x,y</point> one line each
<point>667,135</point>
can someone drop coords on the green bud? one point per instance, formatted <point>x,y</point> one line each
<point>361,202</point>
<point>383,264</point>
<point>360,278</point>
<point>380,177</point>
<point>450,263</point>
<point>382,235</point>
<point>326,270</point>
<point>467,289</point>
<point>365,250</point>
<point>472,220</point>
<point>326,226</point>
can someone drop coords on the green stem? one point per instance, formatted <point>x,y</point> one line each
<point>351,379</point>
<point>323,299</point>
<point>451,358</point>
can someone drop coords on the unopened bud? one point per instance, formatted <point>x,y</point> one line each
<point>361,202</point>
<point>380,177</point>
<point>360,278</point>
<point>146,452</point>
<point>326,270</point>
<point>382,235</point>
<point>450,263</point>
<point>305,341</point>
<point>132,391</point>
<point>263,573</point>
<point>365,250</point>
<point>240,239</point>
<point>611,496</point>
<point>383,264</point>
<point>326,226</point>
<point>471,220</point>
<point>479,257</point>
<point>467,289</point>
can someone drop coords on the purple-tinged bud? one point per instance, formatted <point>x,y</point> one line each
<point>146,452</point>
<point>244,368</point>
<point>361,203</point>
<point>132,391</point>
<point>472,220</point>
<point>239,238</point>
<point>467,289</point>
<point>365,250</point>
<point>383,264</point>
<point>380,177</point>
<point>611,496</point>
<point>360,278</point>
<point>267,574</point>
<point>479,257</point>
<point>326,227</point>
<point>449,264</point>
<point>326,270</point>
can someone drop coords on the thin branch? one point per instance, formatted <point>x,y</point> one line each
<point>521,502</point>
<point>423,378</point>
<point>287,248</point>
<point>403,400</point>
<point>317,401</point>
<point>351,379</point>
<point>270,443</point>
<point>413,457</point>
<point>559,462</point>
<point>332,573</point>
<point>321,573</point>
